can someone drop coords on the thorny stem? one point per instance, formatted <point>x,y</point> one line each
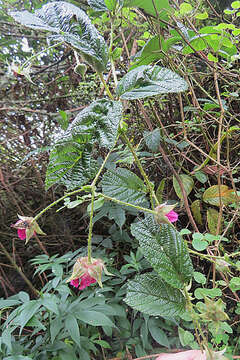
<point>19,270</point>
<point>144,175</point>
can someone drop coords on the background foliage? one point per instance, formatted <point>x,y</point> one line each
<point>188,144</point>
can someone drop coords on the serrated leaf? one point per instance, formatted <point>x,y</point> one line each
<point>212,220</point>
<point>166,251</point>
<point>213,194</point>
<point>152,139</point>
<point>187,182</point>
<point>151,295</point>
<point>97,5</point>
<point>71,25</point>
<point>196,210</point>
<point>146,80</point>
<point>117,213</point>
<point>124,185</point>
<point>71,161</point>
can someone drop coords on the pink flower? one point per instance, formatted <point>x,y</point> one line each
<point>21,234</point>
<point>184,355</point>
<point>165,214</point>
<point>172,216</point>
<point>27,228</point>
<point>83,281</point>
<point>87,272</point>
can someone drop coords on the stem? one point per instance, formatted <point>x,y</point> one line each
<point>110,53</point>
<point>36,55</point>
<point>56,202</point>
<point>93,188</point>
<point>18,269</point>
<point>144,175</point>
<point>128,204</point>
<point>105,86</point>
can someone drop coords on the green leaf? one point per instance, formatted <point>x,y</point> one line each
<point>235,5</point>
<point>117,213</point>
<point>151,295</point>
<point>158,334</point>
<point>71,25</point>
<point>187,182</point>
<point>146,80</point>
<point>235,284</point>
<point>196,210</point>
<point>55,326</point>
<point>160,190</point>
<point>202,293</point>
<point>152,139</point>
<point>71,160</point>
<point>148,6</point>
<point>50,302</point>
<point>201,16</point>
<point>201,176</point>
<point>166,251</point>
<point>150,52</point>
<point>185,337</point>
<point>212,220</point>
<point>71,326</point>
<point>28,311</point>
<point>199,278</point>
<point>199,244</point>
<point>97,5</point>
<point>213,194</point>
<point>103,344</point>
<point>94,318</point>
<point>185,8</point>
<point>124,185</point>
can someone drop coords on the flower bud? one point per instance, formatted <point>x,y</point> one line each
<point>165,214</point>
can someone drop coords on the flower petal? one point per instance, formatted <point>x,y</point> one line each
<point>86,280</point>
<point>74,282</point>
<point>21,234</point>
<point>172,216</point>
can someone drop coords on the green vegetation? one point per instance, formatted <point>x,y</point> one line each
<point>119,136</point>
